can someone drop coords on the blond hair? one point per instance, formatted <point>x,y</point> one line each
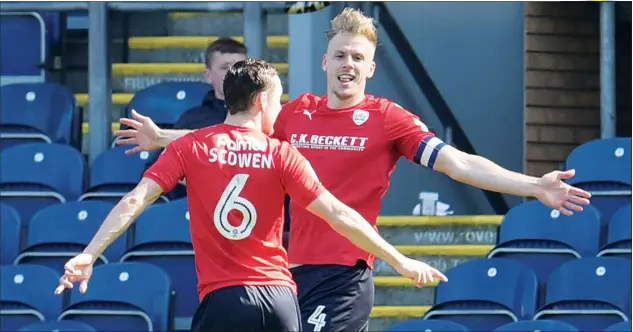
<point>353,21</point>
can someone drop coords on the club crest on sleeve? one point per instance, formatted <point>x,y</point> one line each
<point>360,116</point>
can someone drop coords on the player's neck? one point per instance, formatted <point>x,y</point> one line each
<point>244,120</point>
<point>334,102</point>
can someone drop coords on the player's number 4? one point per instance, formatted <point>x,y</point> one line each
<point>231,200</point>
<point>317,318</point>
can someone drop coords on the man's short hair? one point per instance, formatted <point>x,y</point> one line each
<point>353,21</point>
<point>223,45</point>
<point>244,80</point>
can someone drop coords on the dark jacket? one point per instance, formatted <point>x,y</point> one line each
<point>211,112</point>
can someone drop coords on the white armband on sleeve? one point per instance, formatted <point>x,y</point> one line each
<point>427,151</point>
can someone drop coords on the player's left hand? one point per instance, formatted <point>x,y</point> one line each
<point>556,194</point>
<point>418,272</point>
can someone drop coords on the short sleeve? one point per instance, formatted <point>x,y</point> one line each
<point>298,177</point>
<point>410,137</point>
<point>170,167</point>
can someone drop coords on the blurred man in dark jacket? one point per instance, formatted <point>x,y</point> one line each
<point>220,55</point>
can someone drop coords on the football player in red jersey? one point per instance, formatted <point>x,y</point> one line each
<point>237,178</point>
<point>353,140</point>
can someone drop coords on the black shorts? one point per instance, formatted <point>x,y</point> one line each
<point>335,297</point>
<point>248,308</point>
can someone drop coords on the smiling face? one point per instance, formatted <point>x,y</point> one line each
<point>349,61</point>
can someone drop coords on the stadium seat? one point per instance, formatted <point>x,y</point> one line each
<point>113,174</point>
<point>36,112</point>
<point>421,325</point>
<point>58,326</point>
<point>537,325</point>
<point>26,295</point>
<point>603,167</point>
<point>39,175</point>
<point>134,295</point>
<point>619,234</point>
<point>619,327</point>
<point>162,238</point>
<point>10,233</point>
<point>165,102</point>
<point>543,239</point>
<point>22,48</point>
<point>484,294</point>
<point>589,293</point>
<point>61,231</point>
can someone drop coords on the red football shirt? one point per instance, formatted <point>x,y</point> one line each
<point>236,182</point>
<point>353,151</point>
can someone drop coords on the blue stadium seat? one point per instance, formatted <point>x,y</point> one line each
<point>484,294</point>
<point>603,167</point>
<point>58,326</point>
<point>22,48</point>
<point>61,231</point>
<point>589,293</point>
<point>619,234</point>
<point>39,175</point>
<point>619,327</point>
<point>10,234</point>
<point>134,295</point>
<point>543,239</point>
<point>26,295</point>
<point>114,174</point>
<point>421,325</point>
<point>36,112</point>
<point>537,325</point>
<point>162,238</point>
<point>167,101</point>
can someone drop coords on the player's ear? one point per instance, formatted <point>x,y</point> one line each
<point>261,100</point>
<point>324,63</point>
<point>372,69</point>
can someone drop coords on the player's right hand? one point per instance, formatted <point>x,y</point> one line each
<point>142,132</point>
<point>77,269</point>
<point>420,273</point>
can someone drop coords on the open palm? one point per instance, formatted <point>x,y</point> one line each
<point>557,194</point>
<point>142,132</point>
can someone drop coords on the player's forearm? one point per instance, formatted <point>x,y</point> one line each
<point>482,173</point>
<point>166,136</point>
<point>353,226</point>
<point>119,220</point>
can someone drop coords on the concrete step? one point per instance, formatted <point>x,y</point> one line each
<point>217,23</point>
<point>132,77</point>
<point>191,48</point>
<point>383,317</point>
<point>399,290</point>
<point>411,230</point>
<point>442,257</point>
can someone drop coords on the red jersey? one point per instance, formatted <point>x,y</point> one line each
<point>237,179</point>
<point>353,151</point>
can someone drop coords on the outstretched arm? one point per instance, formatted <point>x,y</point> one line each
<point>123,215</point>
<point>413,140</point>
<point>145,135</point>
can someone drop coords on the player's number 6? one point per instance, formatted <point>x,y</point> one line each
<point>231,200</point>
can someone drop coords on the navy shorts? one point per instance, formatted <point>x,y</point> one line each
<point>335,297</point>
<point>248,309</point>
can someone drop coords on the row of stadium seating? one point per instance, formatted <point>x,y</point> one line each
<point>590,294</point>
<point>161,237</point>
<point>519,326</point>
<point>48,112</point>
<point>41,174</point>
